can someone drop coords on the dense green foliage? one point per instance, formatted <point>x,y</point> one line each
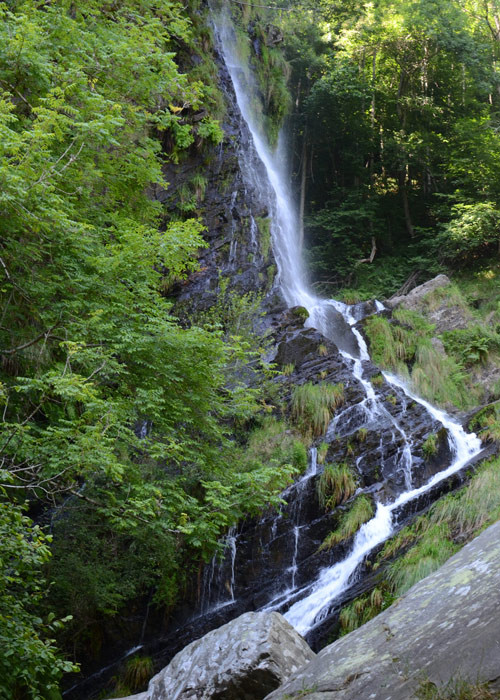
<point>137,441</point>
<point>116,421</point>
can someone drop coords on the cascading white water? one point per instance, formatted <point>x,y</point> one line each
<point>317,597</point>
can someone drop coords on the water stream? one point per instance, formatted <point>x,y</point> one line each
<point>266,171</point>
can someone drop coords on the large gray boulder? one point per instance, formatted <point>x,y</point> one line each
<point>243,660</point>
<point>413,299</point>
<point>446,627</point>
<point>448,313</point>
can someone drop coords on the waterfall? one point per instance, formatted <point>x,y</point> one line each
<point>266,171</point>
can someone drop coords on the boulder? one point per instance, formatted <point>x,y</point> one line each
<point>412,299</point>
<point>447,313</point>
<point>243,660</point>
<point>444,628</point>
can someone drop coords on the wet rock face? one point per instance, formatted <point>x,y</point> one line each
<point>243,660</point>
<point>445,627</point>
<point>235,214</point>
<point>268,558</point>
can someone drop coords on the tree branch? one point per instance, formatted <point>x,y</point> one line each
<point>12,351</point>
<point>372,254</point>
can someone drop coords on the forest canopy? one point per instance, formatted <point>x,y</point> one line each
<point>396,136</point>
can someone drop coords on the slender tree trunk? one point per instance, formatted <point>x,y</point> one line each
<point>303,185</point>
<point>406,207</point>
<point>372,112</point>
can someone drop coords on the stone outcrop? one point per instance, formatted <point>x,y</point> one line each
<point>243,660</point>
<point>413,299</point>
<point>447,313</point>
<point>445,627</point>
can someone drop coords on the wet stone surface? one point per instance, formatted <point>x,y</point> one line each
<point>445,627</point>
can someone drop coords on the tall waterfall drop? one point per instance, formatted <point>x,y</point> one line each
<point>306,606</point>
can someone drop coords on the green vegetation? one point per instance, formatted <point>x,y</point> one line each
<point>122,430</point>
<point>30,662</point>
<point>430,445</point>
<point>359,513</point>
<point>364,608</point>
<point>455,689</point>
<point>336,485</point>
<point>404,346</point>
<point>487,423</point>
<point>451,521</point>
<point>134,676</point>
<point>389,139</point>
<point>137,439</point>
<point>301,313</point>
<point>421,548</point>
<point>377,380</point>
<point>264,226</point>
<point>361,434</point>
<point>275,444</point>
<point>322,452</point>
<point>422,559</point>
<point>313,406</point>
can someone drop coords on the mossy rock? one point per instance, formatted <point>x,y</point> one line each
<point>300,313</point>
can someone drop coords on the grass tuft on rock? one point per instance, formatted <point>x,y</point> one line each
<point>336,485</point>
<point>455,689</point>
<point>422,559</point>
<point>364,608</point>
<point>430,445</point>
<point>359,513</point>
<point>313,406</point>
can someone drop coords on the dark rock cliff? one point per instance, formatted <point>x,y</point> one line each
<point>233,212</point>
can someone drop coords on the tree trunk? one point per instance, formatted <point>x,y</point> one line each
<point>303,184</point>
<point>404,194</point>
